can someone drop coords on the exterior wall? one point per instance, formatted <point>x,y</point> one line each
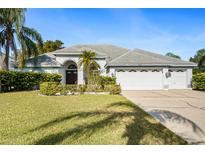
<point>189,77</point>
<point>64,59</point>
<point>46,70</point>
<point>111,72</point>
<point>102,63</point>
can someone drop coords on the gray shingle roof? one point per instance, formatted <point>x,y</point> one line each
<point>138,57</point>
<point>115,56</point>
<point>44,60</point>
<point>104,50</point>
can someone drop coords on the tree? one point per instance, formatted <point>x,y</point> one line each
<point>201,63</point>
<point>170,54</point>
<point>12,30</point>
<point>49,46</point>
<point>197,57</point>
<point>87,60</point>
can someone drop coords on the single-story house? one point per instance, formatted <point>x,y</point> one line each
<point>134,69</point>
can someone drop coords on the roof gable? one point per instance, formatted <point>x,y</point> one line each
<point>44,60</point>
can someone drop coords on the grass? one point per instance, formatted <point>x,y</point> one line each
<point>27,118</point>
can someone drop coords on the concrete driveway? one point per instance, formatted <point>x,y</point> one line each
<point>182,111</point>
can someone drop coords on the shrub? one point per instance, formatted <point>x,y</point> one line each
<point>17,81</point>
<point>49,88</point>
<point>198,81</point>
<point>94,88</point>
<point>113,89</point>
<point>197,70</point>
<point>106,80</point>
<point>62,89</point>
<point>72,88</point>
<point>81,89</point>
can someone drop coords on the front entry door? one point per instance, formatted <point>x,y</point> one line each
<point>71,76</point>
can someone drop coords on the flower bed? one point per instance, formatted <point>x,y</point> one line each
<point>54,88</point>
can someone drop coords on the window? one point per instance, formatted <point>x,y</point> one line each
<point>72,66</point>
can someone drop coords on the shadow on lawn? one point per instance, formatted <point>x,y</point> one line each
<point>136,130</point>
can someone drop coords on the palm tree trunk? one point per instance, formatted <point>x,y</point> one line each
<point>7,56</point>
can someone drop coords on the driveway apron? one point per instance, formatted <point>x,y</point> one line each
<point>182,111</point>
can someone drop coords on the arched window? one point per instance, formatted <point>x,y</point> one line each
<point>72,66</point>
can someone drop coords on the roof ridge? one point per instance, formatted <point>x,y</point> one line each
<point>120,56</point>
<point>100,53</point>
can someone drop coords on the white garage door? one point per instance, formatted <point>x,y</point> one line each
<point>178,79</point>
<point>139,80</point>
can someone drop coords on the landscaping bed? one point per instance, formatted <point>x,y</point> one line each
<point>27,118</point>
<point>56,89</point>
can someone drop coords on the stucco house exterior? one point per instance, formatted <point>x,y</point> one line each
<point>134,69</point>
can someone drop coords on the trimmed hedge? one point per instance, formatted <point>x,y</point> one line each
<point>18,81</point>
<point>106,80</point>
<point>52,88</point>
<point>198,81</point>
<point>113,89</point>
<point>49,88</point>
<point>101,80</point>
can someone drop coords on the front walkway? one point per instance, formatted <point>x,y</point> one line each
<point>182,111</point>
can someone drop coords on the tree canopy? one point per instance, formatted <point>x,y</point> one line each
<point>170,54</point>
<point>49,46</point>
<point>198,56</point>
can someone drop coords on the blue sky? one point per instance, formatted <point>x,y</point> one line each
<point>181,31</point>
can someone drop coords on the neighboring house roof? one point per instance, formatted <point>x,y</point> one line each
<point>138,57</point>
<point>44,60</point>
<point>115,56</point>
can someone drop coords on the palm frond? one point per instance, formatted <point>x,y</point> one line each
<point>33,34</point>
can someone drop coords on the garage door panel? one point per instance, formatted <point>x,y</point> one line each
<point>177,80</point>
<point>139,80</point>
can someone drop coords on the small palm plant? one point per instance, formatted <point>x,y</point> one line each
<point>87,60</point>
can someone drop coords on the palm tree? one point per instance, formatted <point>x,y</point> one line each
<point>87,60</point>
<point>12,31</point>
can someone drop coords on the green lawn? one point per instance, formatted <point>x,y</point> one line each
<point>27,118</point>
